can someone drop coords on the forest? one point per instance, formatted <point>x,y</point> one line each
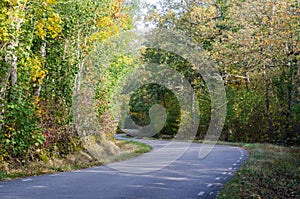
<point>46,44</point>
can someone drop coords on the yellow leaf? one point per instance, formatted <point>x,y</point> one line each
<point>51,2</point>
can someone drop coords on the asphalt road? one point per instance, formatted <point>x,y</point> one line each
<point>187,177</point>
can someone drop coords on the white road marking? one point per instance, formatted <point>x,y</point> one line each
<point>209,185</point>
<point>201,193</point>
<point>211,193</point>
<point>53,175</point>
<point>158,183</point>
<point>224,173</point>
<point>39,186</point>
<point>26,180</point>
<point>218,178</point>
<point>1,186</point>
<point>234,164</point>
<point>230,168</point>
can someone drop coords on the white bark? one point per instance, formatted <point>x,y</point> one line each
<point>80,65</point>
<point>4,84</point>
<point>11,58</point>
<point>43,53</point>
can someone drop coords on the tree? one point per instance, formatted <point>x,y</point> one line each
<point>44,46</point>
<point>254,44</point>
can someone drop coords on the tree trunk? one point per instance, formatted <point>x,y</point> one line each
<point>4,84</point>
<point>11,60</point>
<point>44,54</point>
<point>267,99</point>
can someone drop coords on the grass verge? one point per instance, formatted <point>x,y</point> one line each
<point>75,161</point>
<point>270,172</point>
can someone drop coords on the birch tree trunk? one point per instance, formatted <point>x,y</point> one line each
<point>10,78</point>
<point>43,53</point>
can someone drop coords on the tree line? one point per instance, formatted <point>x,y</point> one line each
<point>255,45</point>
<point>45,43</point>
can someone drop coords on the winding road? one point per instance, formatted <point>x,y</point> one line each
<point>187,177</point>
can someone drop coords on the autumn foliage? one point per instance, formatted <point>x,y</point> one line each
<point>43,44</point>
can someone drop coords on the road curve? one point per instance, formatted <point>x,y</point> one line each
<point>188,177</point>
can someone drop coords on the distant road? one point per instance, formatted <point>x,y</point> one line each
<point>188,177</point>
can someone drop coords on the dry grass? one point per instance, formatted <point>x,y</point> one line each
<point>78,160</point>
<point>270,172</point>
